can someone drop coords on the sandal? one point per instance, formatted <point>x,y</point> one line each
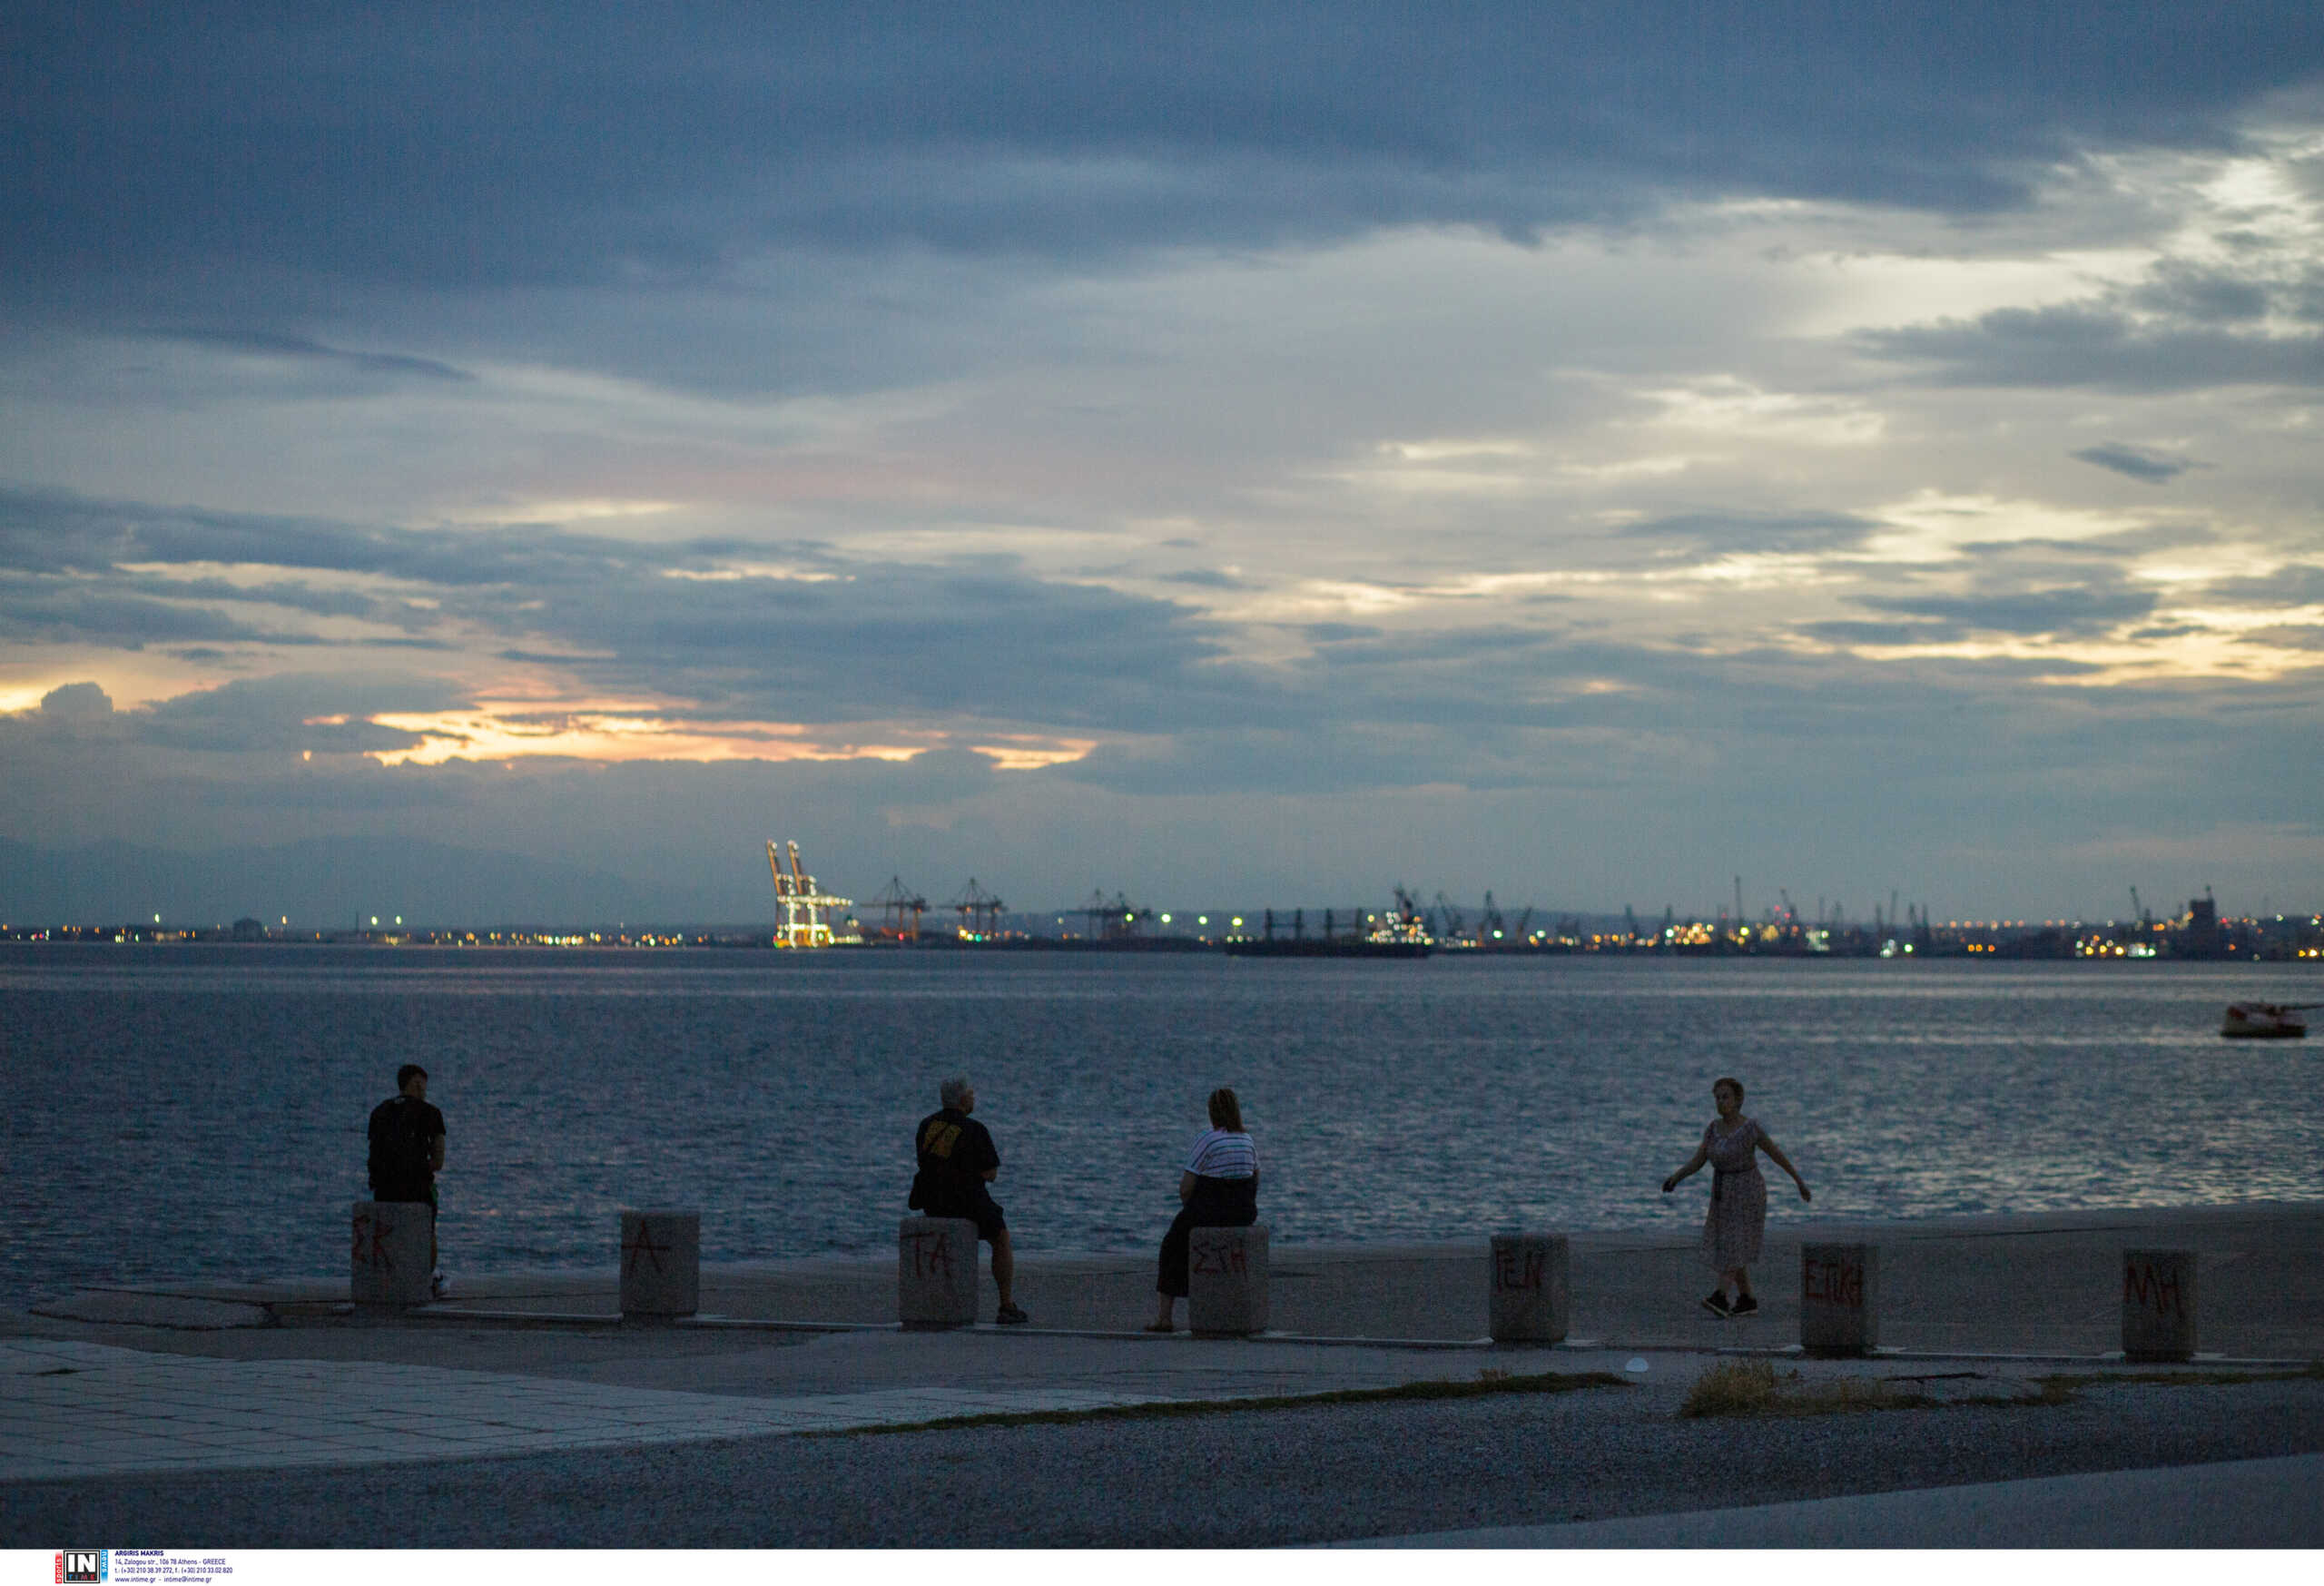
<point>1160,1327</point>
<point>1009,1315</point>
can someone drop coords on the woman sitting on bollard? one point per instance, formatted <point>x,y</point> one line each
<point>1219,1189</point>
<point>1738,1196</point>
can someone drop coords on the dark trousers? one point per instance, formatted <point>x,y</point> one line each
<point>1216,1203</point>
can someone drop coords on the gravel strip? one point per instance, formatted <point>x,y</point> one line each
<point>1242,1479</point>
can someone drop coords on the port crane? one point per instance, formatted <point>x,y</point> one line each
<point>1449,919</point>
<point>1491,926</point>
<point>979,910</point>
<point>900,909</point>
<point>1113,919</point>
<point>802,908</point>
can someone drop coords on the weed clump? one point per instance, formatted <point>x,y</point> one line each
<point>1754,1388</point>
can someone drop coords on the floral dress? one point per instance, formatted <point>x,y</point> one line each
<point>1738,1196</point>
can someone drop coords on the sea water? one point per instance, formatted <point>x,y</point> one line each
<point>197,1113</point>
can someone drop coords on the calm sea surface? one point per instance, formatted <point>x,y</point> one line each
<point>179,1113</point>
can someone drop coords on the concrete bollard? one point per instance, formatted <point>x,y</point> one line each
<point>1529,1292</point>
<point>1227,1281</point>
<point>661,1262</point>
<point>936,1273</point>
<point>1839,1299</point>
<point>388,1254</point>
<point>2159,1304</point>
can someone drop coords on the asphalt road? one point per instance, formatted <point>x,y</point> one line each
<point>1237,1479</point>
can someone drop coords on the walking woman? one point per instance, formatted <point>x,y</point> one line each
<point>1738,1196</point>
<point>1219,1188</point>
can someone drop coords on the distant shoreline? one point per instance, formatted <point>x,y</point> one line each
<point>2301,939</point>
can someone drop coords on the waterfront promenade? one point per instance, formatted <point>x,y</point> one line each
<point>523,1412</point>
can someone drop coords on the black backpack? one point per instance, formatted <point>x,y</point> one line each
<point>400,1148</point>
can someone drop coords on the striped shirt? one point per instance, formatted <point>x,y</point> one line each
<point>1222,1154</point>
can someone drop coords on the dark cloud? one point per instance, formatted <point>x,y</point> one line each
<point>292,596</point>
<point>891,639</point>
<point>984,640</point>
<point>1349,758</point>
<point>1671,721</point>
<point>2077,553</point>
<point>2136,462</point>
<point>55,531</point>
<point>1745,531</point>
<point>1824,772</point>
<point>1878,634</point>
<point>57,612</point>
<point>2093,344</point>
<point>2294,584</point>
<point>1913,635</point>
<point>248,157</point>
<point>253,716</point>
<point>1514,711</point>
<point>2290,638</point>
<point>76,701</point>
<point>1205,578</point>
<point>2063,612</point>
<point>277,714</point>
<point>266,344</point>
<point>2206,296</point>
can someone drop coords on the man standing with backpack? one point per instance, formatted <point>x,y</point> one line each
<point>406,1153</point>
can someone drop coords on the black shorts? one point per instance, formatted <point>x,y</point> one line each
<point>983,1211</point>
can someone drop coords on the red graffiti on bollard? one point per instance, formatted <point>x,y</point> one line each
<point>931,1254</point>
<point>2142,1285</point>
<point>374,1236</point>
<point>1219,1259</point>
<point>643,1244</point>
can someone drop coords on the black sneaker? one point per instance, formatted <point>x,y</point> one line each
<point>1011,1315</point>
<point>1747,1305</point>
<point>1717,1304</point>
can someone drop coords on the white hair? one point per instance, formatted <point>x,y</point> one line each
<point>950,1091</point>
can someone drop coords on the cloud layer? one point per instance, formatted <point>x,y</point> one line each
<point>1584,452</point>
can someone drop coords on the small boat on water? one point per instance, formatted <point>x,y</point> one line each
<point>2264,1021</point>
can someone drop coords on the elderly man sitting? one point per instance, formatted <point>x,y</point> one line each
<point>957,1161</point>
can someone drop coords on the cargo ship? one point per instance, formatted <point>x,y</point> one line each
<point>1401,933</point>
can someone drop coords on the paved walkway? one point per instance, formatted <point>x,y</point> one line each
<point>2048,1283</point>
<point>74,1408</point>
<point>123,1383</point>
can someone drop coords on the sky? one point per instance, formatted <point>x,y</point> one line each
<point>1241,455</point>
